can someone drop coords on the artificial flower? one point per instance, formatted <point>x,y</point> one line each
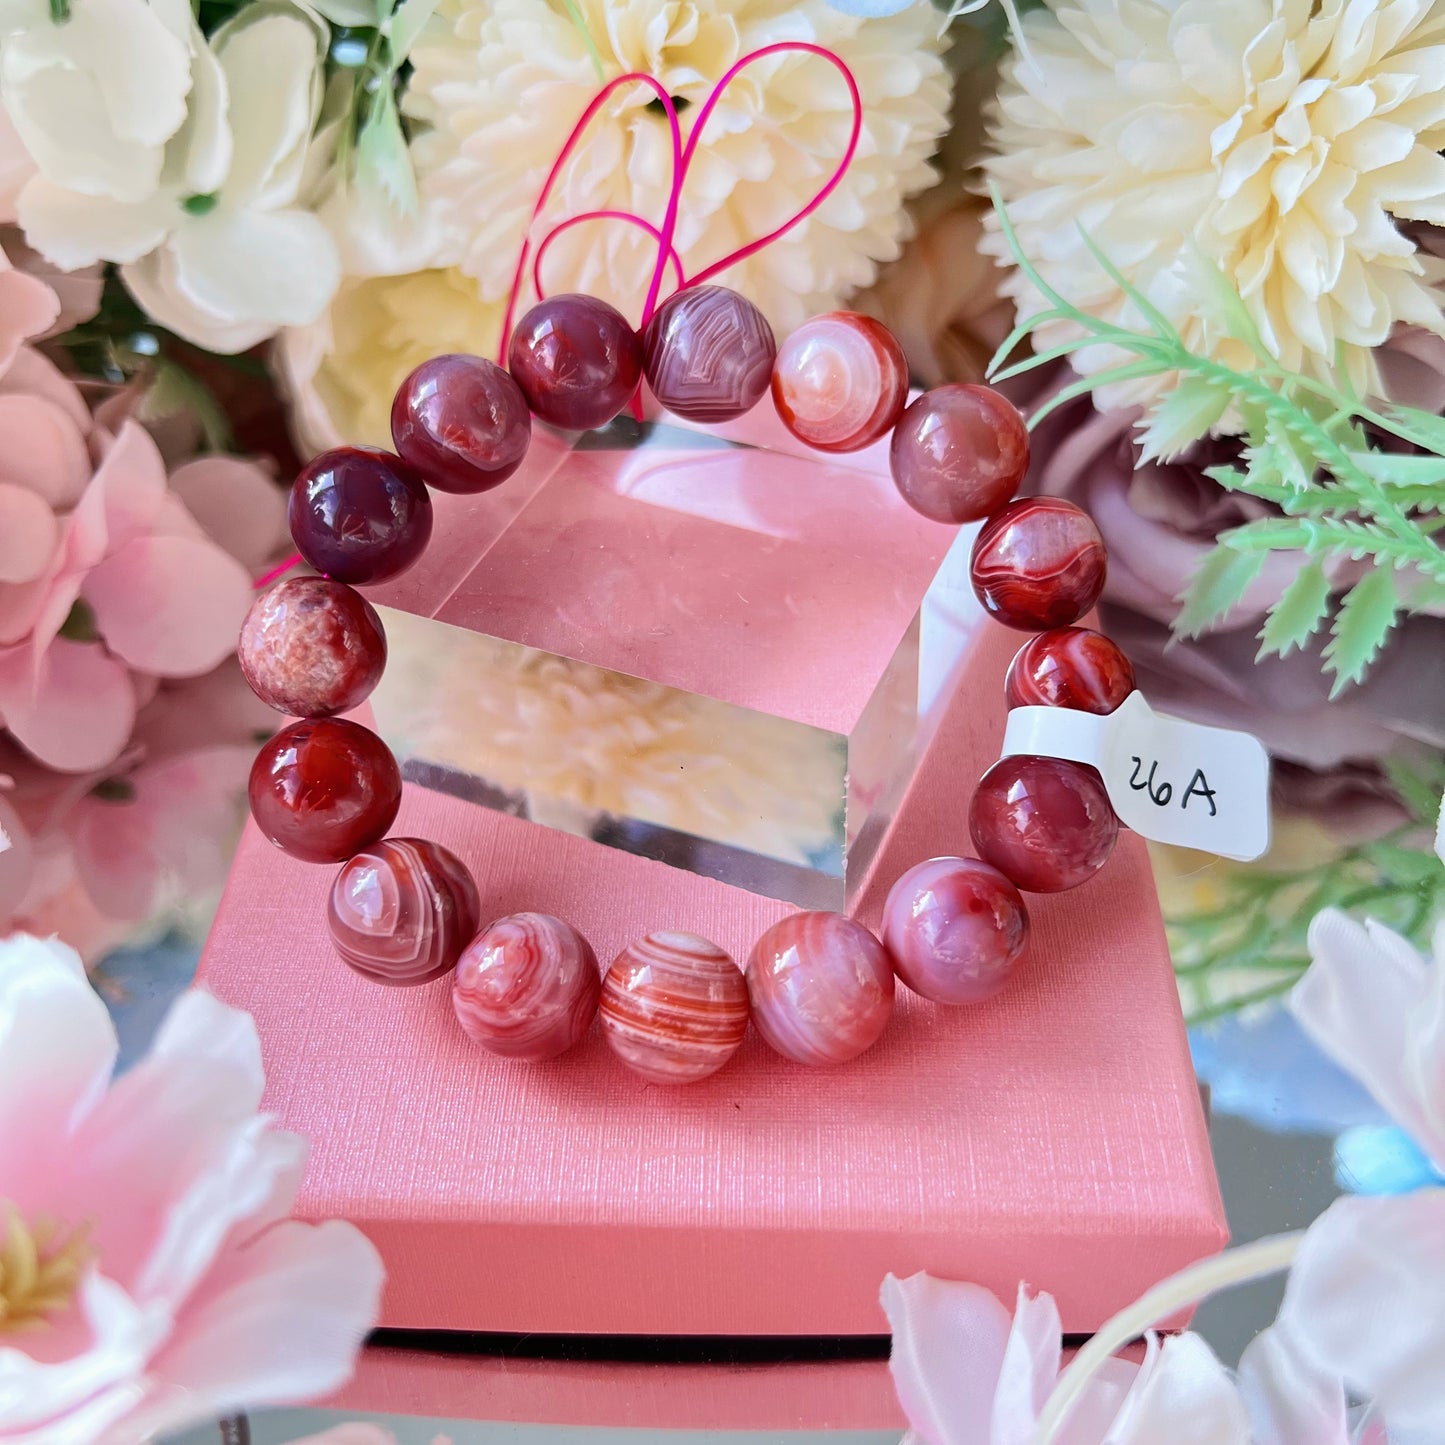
<point>219,250</point>
<point>1280,140</point>
<point>152,1279</point>
<point>498,86</point>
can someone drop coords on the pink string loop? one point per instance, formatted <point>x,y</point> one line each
<point>667,249</point>
<point>279,570</point>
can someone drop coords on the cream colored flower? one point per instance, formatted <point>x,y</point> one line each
<point>500,84</point>
<point>220,251</point>
<point>1279,139</point>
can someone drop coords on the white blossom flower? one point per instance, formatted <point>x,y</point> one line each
<point>1280,140</point>
<point>499,84</point>
<point>220,251</point>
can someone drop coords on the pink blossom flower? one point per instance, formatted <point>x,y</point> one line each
<point>151,1277</point>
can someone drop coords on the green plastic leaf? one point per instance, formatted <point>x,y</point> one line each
<point>1182,417</point>
<point>1216,586</point>
<point>1295,618</point>
<point>1419,791</point>
<point>383,163</point>
<point>1361,626</point>
<point>406,23</point>
<point>1400,470</point>
<point>1423,428</point>
<point>1292,458</point>
<point>1218,295</point>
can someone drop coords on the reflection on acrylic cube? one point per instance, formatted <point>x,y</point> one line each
<point>722,652</point>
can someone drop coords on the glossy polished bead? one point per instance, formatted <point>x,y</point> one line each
<point>527,987</point>
<point>359,514</point>
<point>320,790</point>
<point>840,381</point>
<point>577,361</point>
<point>674,1007</point>
<point>462,422</point>
<point>402,910</point>
<point>311,648</point>
<point>954,929</point>
<point>959,453</point>
<point>708,353</point>
<point>1039,563</point>
<point>821,988</point>
<point>1073,667</point>
<point>1044,823</point>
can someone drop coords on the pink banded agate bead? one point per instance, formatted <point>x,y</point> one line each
<point>402,910</point>
<point>527,987</point>
<point>674,1007</point>
<point>955,929</point>
<point>311,647</point>
<point>1039,563</point>
<point>1072,667</point>
<point>821,988</point>
<point>840,381</point>
<point>708,353</point>
<point>1044,823</point>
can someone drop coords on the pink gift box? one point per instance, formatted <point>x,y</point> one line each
<point>1053,1134</point>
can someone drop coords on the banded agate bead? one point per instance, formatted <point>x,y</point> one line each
<point>954,929</point>
<point>821,988</point>
<point>311,647</point>
<point>359,514</point>
<point>708,353</point>
<point>527,987</point>
<point>322,789</point>
<point>402,910</point>
<point>959,453</point>
<point>1039,563</point>
<point>1045,823</point>
<point>840,381</point>
<point>1073,667</point>
<point>576,360</point>
<point>462,422</point>
<point>674,1007</point>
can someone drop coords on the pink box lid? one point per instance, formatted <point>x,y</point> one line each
<point>1054,1134</point>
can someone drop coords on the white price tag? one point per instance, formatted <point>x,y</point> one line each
<point>1173,781</point>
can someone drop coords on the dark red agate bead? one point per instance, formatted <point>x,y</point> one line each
<point>402,910</point>
<point>462,422</point>
<point>321,790</point>
<point>576,360</point>
<point>359,514</point>
<point>1073,667</point>
<point>311,647</point>
<point>959,453</point>
<point>1039,563</point>
<point>1045,823</point>
<point>709,353</point>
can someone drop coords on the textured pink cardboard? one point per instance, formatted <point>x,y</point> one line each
<point>1053,1135</point>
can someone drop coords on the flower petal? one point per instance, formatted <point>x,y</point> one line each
<point>237,503</point>
<point>949,1342</point>
<point>28,534</point>
<point>1186,1399</point>
<point>1029,1370</point>
<point>57,1048</point>
<point>169,605</point>
<point>1365,1302</point>
<point>44,450</point>
<point>28,307</point>
<point>74,230</point>
<point>1289,1402</point>
<point>73,710</point>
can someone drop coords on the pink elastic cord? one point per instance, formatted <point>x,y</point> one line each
<point>627,216</point>
<point>279,570</point>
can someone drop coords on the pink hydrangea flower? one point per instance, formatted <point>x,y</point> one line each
<point>152,1279</point>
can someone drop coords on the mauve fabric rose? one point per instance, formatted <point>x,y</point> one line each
<point>1160,520</point>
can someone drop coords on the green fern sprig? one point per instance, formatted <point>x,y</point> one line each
<point>1343,498</point>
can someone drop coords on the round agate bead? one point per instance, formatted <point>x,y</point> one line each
<point>1039,563</point>
<point>708,353</point>
<point>311,647</point>
<point>527,987</point>
<point>576,360</point>
<point>821,988</point>
<point>674,1007</point>
<point>462,422</point>
<point>959,453</point>
<point>954,929</point>
<point>1044,823</point>
<point>840,381</point>
<point>402,910</point>
<point>322,789</point>
<point>1073,667</point>
<point>359,514</point>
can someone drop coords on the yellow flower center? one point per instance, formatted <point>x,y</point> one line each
<point>41,1264</point>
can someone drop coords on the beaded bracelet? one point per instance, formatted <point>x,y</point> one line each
<point>674,1007</point>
